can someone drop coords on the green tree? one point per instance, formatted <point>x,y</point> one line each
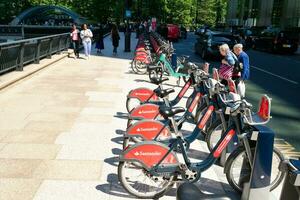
<point>171,11</point>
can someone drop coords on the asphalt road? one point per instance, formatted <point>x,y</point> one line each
<point>278,76</point>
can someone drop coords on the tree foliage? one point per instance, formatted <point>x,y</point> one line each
<point>170,11</point>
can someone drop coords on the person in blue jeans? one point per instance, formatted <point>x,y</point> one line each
<point>86,36</point>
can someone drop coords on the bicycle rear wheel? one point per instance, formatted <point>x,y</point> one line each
<point>139,67</point>
<point>238,170</point>
<point>138,182</point>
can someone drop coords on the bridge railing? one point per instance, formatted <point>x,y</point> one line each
<point>14,55</point>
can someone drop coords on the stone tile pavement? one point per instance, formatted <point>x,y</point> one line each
<point>60,139</point>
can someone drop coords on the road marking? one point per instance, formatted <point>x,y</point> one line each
<point>286,148</point>
<point>286,79</point>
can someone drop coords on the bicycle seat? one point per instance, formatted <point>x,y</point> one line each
<point>163,93</point>
<point>170,112</point>
<point>188,191</point>
<point>158,81</point>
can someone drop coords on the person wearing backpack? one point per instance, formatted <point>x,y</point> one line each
<point>243,69</point>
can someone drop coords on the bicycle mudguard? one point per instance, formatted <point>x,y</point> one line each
<point>145,111</point>
<point>149,153</point>
<point>149,130</point>
<point>143,94</point>
<point>142,58</point>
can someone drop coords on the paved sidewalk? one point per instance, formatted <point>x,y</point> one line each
<point>60,138</point>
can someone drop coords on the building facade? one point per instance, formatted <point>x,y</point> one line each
<point>277,13</point>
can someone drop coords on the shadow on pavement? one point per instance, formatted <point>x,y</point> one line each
<point>118,140</point>
<point>120,132</point>
<point>114,161</point>
<point>113,187</point>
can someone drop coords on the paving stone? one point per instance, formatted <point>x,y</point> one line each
<point>18,189</point>
<point>68,170</point>
<point>81,152</point>
<point>34,137</point>
<point>18,168</point>
<point>50,117</point>
<point>49,125</point>
<point>30,151</point>
<point>70,190</point>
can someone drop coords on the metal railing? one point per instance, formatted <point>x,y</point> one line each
<point>14,55</point>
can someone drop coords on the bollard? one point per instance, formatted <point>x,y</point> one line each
<point>259,185</point>
<point>127,41</point>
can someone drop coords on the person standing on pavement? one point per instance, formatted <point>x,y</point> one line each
<point>227,63</point>
<point>115,37</point>
<point>100,43</point>
<point>75,40</point>
<point>86,37</point>
<point>243,58</point>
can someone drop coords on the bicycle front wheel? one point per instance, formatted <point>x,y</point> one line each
<point>138,182</point>
<point>139,67</point>
<point>238,170</point>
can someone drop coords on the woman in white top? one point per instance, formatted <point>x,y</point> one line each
<point>86,37</point>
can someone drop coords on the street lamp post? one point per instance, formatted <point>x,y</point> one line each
<point>127,31</point>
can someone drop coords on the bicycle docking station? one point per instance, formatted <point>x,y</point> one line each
<point>259,185</point>
<point>291,185</point>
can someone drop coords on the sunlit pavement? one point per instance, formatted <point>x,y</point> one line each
<point>60,137</point>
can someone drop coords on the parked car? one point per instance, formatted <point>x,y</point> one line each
<point>201,30</point>
<point>173,32</point>
<point>207,45</point>
<point>275,41</point>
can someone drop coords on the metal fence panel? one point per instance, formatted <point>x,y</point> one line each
<point>13,55</point>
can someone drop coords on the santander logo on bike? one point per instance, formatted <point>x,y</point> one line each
<point>142,94</point>
<point>142,153</point>
<point>146,111</point>
<point>147,129</point>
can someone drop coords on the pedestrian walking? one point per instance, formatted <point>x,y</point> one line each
<point>115,37</point>
<point>100,43</point>
<point>75,40</point>
<point>244,70</point>
<point>86,37</point>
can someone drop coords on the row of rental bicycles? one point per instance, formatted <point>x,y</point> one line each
<point>155,148</point>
